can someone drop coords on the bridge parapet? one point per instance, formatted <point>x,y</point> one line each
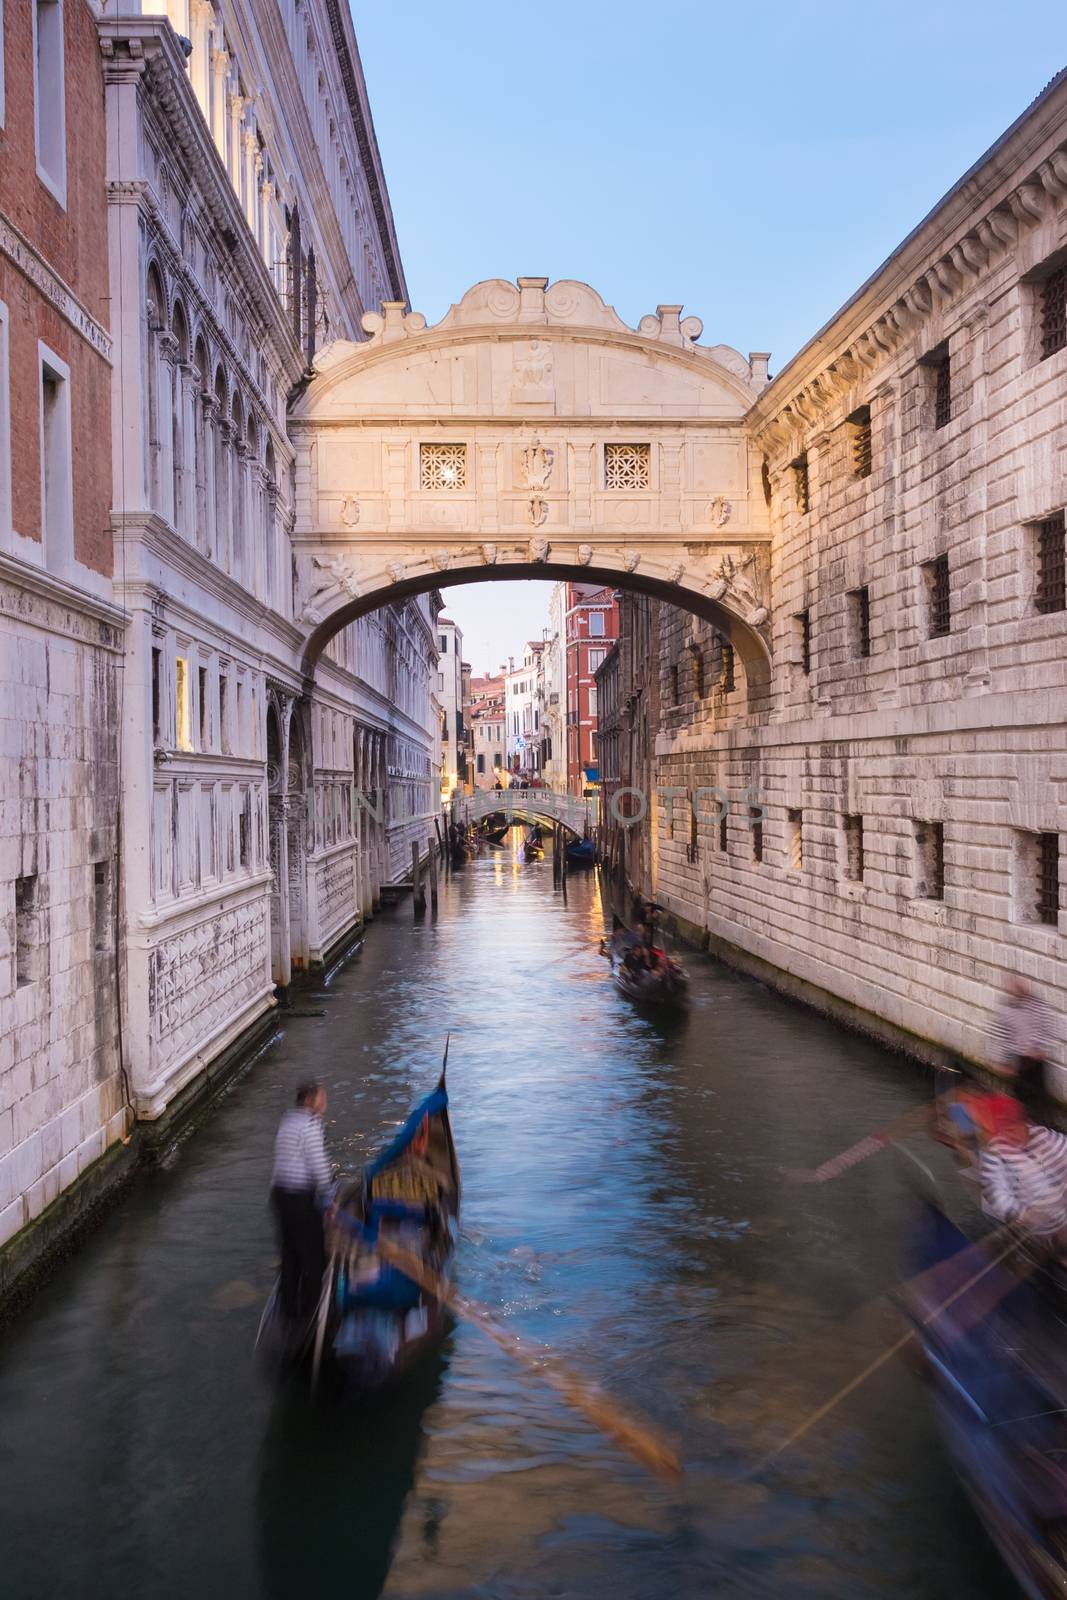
<point>577,814</point>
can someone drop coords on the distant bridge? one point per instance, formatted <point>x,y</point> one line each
<point>530,805</point>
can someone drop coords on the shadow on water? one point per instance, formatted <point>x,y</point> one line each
<point>341,1473</point>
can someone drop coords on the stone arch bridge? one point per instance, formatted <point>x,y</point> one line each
<point>532,434</point>
<point>577,815</point>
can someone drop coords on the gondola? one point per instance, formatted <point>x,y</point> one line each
<point>372,1322</point>
<point>496,835</point>
<point>996,1369</point>
<point>582,854</point>
<point>532,848</point>
<point>662,983</point>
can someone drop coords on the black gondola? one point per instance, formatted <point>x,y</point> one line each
<point>644,973</point>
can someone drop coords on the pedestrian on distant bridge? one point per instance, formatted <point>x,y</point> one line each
<point>301,1188</point>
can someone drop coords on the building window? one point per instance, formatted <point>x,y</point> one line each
<point>157,696</point>
<point>674,686</point>
<point>930,860</point>
<point>859,612</point>
<point>795,819</point>
<point>938,597</point>
<point>802,619</point>
<point>57,486</point>
<point>724,842</point>
<point>597,625</point>
<point>938,366</point>
<point>443,466</point>
<point>103,911</point>
<point>698,671</point>
<point>442,641</point>
<point>1037,878</point>
<point>1051,594</point>
<point>481,762</point>
<point>728,680</point>
<point>244,829</point>
<point>801,486</point>
<point>854,848</point>
<point>596,659</point>
<point>50,117</point>
<point>1054,312</point>
<point>859,439</point>
<point>205,720</point>
<point>627,466</point>
<point>184,710</point>
<point>27,939</point>
<point>5,392</point>
<point>224,713</point>
<point>755,818</point>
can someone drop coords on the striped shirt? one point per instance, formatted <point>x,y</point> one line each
<point>1027,1183</point>
<point>300,1164</point>
<point>1022,1027</point>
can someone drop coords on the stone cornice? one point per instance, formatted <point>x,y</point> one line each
<point>148,45</point>
<point>31,595</point>
<point>1018,184</point>
<point>32,264</point>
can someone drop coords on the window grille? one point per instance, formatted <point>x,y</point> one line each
<point>698,671</point>
<point>755,814</point>
<point>723,837</point>
<point>1048,878</point>
<point>26,930</point>
<point>443,466</point>
<point>796,840</point>
<point>674,686</point>
<point>930,845</point>
<point>728,679</point>
<point>801,486</point>
<point>939,597</point>
<point>1051,575</point>
<point>627,466</point>
<point>861,441</point>
<point>860,604</point>
<point>942,391</point>
<point>854,848</point>
<point>1054,312</point>
<point>803,621</point>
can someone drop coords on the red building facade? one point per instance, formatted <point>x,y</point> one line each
<point>591,622</point>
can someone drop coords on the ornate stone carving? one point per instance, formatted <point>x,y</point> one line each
<point>738,577</point>
<point>631,560</point>
<point>489,554</point>
<point>201,977</point>
<point>676,573</point>
<point>442,559</point>
<point>538,549</point>
<point>719,511</point>
<point>585,554</point>
<point>537,462</point>
<point>395,570</point>
<point>350,511</point>
<point>337,577</point>
<point>532,372</point>
<point>537,510</point>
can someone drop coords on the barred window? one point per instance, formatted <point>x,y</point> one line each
<point>938,597</point>
<point>803,623</point>
<point>859,605</point>
<point>854,848</point>
<point>755,818</point>
<point>1054,312</point>
<point>728,680</point>
<point>1048,878</point>
<point>723,837</point>
<point>930,860</point>
<point>796,839</point>
<point>801,485</point>
<point>627,466</point>
<point>860,441</point>
<point>698,671</point>
<point>1051,592</point>
<point>443,466</point>
<point>674,686</point>
<point>941,376</point>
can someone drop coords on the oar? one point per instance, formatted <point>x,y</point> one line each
<point>895,1349</point>
<point>869,1145</point>
<point>633,1435</point>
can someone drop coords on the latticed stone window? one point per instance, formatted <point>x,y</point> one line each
<point>1051,592</point>
<point>801,485</point>
<point>627,466</point>
<point>854,848</point>
<point>796,839</point>
<point>860,441</point>
<point>1054,312</point>
<point>443,466</point>
<point>938,597</point>
<point>930,860</point>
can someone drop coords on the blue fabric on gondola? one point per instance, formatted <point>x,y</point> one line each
<point>390,1291</point>
<point>398,1210</point>
<point>433,1103</point>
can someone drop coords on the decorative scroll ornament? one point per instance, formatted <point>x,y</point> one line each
<point>585,554</point>
<point>489,554</point>
<point>537,510</point>
<point>349,511</point>
<point>720,511</point>
<point>631,560</point>
<point>441,559</point>
<point>538,549</point>
<point>396,570</point>
<point>740,579</point>
<point>337,578</point>
<point>537,461</point>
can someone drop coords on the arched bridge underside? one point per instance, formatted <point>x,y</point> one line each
<point>532,434</point>
<point>532,805</point>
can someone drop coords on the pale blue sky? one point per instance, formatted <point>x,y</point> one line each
<point>754,162</point>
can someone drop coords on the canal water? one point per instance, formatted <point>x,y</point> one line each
<point>626,1202</point>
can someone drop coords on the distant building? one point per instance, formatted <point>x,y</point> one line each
<point>450,694</point>
<point>486,722</point>
<point>523,714</point>
<point>590,627</point>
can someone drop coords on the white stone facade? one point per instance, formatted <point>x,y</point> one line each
<point>450,695</point>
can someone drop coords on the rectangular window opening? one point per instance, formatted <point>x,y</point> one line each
<point>26,930</point>
<point>939,364</point>
<point>443,466</point>
<point>802,620</point>
<point>860,441</point>
<point>157,696</point>
<point>755,817</point>
<point>244,831</point>
<point>103,911</point>
<point>1048,878</point>
<point>859,605</point>
<point>795,819</point>
<point>50,118</point>
<point>728,680</point>
<point>938,597</point>
<point>854,862</point>
<point>627,466</point>
<point>724,842</point>
<point>1051,591</point>
<point>1053,312</point>
<point>184,709</point>
<point>205,718</point>
<point>698,671</point>
<point>224,718</point>
<point>930,860</point>
<point>801,485</point>
<point>57,494</point>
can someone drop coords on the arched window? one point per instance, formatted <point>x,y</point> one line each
<point>155,314</point>
<point>181,423</point>
<point>270,531</point>
<point>201,402</point>
<point>237,488</point>
<point>223,538</point>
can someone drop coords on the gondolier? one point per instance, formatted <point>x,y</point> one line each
<point>300,1187</point>
<point>1022,1034</point>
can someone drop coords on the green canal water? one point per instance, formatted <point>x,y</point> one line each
<point>625,1203</point>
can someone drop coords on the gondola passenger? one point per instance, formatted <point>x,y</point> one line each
<point>1023,1174</point>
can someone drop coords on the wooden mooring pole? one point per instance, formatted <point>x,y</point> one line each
<point>431,861</point>
<point>418,893</point>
